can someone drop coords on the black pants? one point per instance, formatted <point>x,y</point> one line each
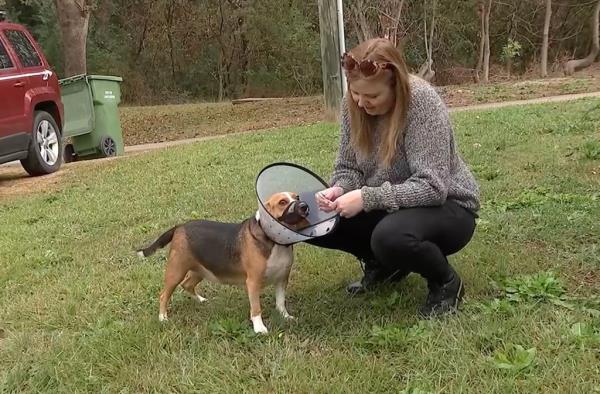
<point>411,240</point>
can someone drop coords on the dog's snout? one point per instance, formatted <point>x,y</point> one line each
<point>303,207</point>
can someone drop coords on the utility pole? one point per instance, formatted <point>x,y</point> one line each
<point>331,22</point>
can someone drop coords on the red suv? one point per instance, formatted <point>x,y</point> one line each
<point>31,111</point>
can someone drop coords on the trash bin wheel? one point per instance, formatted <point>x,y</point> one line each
<point>69,153</point>
<point>108,147</point>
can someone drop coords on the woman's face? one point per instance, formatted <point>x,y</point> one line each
<point>375,97</point>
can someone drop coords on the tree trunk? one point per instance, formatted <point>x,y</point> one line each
<point>140,46</point>
<point>390,16</point>
<point>73,18</point>
<point>481,14</point>
<point>333,89</point>
<point>364,31</point>
<point>223,58</point>
<point>426,71</point>
<point>575,65</point>
<point>243,58</point>
<point>357,31</point>
<point>545,40</point>
<point>397,23</point>
<point>169,17</point>
<point>486,54</point>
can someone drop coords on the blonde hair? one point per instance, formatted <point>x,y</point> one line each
<point>382,51</point>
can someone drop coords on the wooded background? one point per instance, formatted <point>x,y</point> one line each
<point>192,50</point>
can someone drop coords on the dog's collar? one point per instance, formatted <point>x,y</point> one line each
<point>257,216</point>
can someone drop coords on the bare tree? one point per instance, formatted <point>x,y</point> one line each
<point>169,18</point>
<point>481,15</point>
<point>381,18</point>
<point>244,44</point>
<point>575,65</point>
<point>361,23</point>
<point>545,39</point>
<point>483,61</point>
<point>390,19</point>
<point>224,56</point>
<point>486,50</point>
<point>73,18</point>
<point>426,71</point>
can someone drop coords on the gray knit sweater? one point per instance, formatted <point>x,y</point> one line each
<point>427,169</point>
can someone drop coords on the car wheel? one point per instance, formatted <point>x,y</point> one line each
<point>45,147</point>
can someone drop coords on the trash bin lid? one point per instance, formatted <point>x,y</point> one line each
<point>288,177</point>
<point>106,78</point>
<point>68,80</point>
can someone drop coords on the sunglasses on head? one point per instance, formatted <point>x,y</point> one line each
<point>367,67</point>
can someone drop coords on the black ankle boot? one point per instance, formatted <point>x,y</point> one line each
<point>373,275</point>
<point>443,298</point>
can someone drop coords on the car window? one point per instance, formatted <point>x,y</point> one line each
<point>4,58</point>
<point>23,47</point>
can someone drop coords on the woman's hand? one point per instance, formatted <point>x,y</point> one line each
<point>350,204</point>
<point>325,198</point>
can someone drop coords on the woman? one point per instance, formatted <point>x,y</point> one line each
<point>406,198</point>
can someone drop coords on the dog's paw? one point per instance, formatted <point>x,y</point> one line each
<point>201,299</point>
<point>162,317</point>
<point>285,314</point>
<point>261,330</point>
<point>258,325</point>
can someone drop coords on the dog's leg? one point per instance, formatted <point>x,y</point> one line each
<point>172,278</point>
<point>280,299</point>
<point>177,266</point>
<point>190,282</point>
<point>254,286</point>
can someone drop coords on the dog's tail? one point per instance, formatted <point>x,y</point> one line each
<point>160,242</point>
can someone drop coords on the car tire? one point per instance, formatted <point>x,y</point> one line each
<point>45,146</point>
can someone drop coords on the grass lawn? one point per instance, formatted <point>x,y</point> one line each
<point>468,94</point>
<point>148,124</point>
<point>78,309</point>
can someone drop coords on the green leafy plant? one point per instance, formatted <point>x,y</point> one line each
<point>392,336</point>
<point>542,286</point>
<point>585,334</point>
<point>511,50</point>
<point>495,306</point>
<point>591,150</point>
<point>231,329</point>
<point>514,358</point>
<point>387,302</point>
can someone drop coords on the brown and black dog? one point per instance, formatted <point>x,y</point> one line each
<point>232,253</point>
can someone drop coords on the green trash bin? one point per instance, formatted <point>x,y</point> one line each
<point>92,116</point>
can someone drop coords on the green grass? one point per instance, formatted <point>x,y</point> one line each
<point>78,310</point>
<point>521,90</point>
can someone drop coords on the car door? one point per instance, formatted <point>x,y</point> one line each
<point>35,74</point>
<point>13,87</point>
